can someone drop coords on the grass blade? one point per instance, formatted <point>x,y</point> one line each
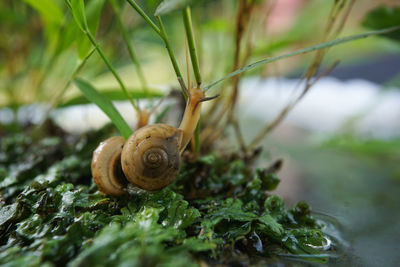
<point>144,16</point>
<point>92,11</point>
<point>48,9</point>
<point>303,51</point>
<point>161,32</point>
<point>171,54</point>
<point>113,95</point>
<point>105,105</point>
<point>187,20</point>
<point>78,11</point>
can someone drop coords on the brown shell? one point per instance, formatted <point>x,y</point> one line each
<point>106,166</point>
<point>150,158</point>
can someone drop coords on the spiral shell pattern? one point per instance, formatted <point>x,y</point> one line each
<point>150,157</point>
<point>106,166</point>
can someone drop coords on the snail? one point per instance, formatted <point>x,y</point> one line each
<point>151,156</point>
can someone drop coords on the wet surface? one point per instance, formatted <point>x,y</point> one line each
<point>359,192</point>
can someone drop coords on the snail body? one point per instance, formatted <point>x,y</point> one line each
<point>151,156</point>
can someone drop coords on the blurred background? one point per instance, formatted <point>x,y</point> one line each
<point>340,144</point>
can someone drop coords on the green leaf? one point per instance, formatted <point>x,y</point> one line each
<point>231,209</point>
<point>48,10</point>
<point>93,12</point>
<point>75,31</point>
<point>273,228</point>
<point>303,51</point>
<point>275,207</point>
<point>105,105</point>
<point>78,11</point>
<point>113,95</point>
<point>180,216</point>
<point>52,19</point>
<point>68,34</point>
<point>300,241</point>
<point>301,213</point>
<point>270,181</point>
<point>384,17</point>
<point>8,214</point>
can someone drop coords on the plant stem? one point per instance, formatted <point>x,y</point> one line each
<point>131,51</point>
<point>160,30</point>
<point>144,16</point>
<point>111,68</point>
<point>171,54</point>
<point>285,111</point>
<point>303,51</point>
<point>187,20</point>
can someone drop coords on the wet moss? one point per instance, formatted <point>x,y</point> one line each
<point>218,211</point>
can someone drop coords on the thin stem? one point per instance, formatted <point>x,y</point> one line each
<point>239,135</point>
<point>303,51</point>
<point>171,54</point>
<point>144,16</point>
<point>285,111</point>
<point>243,16</point>
<point>111,68</point>
<point>131,51</point>
<point>187,20</point>
<point>187,63</point>
<point>242,19</point>
<point>160,30</point>
<point>345,17</point>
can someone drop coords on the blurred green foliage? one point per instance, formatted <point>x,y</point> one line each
<point>383,17</point>
<point>105,105</point>
<point>40,45</point>
<point>383,152</point>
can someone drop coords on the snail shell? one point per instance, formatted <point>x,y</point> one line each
<point>106,166</point>
<point>151,156</point>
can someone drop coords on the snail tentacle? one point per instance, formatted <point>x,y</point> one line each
<point>191,116</point>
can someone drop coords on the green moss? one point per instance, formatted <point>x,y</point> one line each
<point>218,211</point>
